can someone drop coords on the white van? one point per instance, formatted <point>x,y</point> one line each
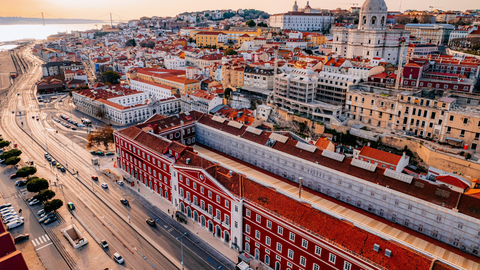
<point>15,223</point>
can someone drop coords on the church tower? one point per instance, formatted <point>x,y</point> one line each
<point>373,15</point>
<point>295,7</point>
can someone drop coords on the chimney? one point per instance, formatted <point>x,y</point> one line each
<point>188,160</point>
<point>300,180</point>
<point>155,129</point>
<point>404,155</point>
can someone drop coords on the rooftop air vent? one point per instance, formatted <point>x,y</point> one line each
<point>388,253</point>
<point>376,247</point>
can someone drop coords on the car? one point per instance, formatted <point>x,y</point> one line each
<point>13,111</point>
<point>10,216</point>
<point>10,219</point>
<point>18,94</point>
<point>21,183</point>
<point>104,185</point>
<point>70,206</point>
<point>2,161</point>
<point>62,169</point>
<point>110,154</point>
<point>34,202</point>
<point>47,155</point>
<point>67,125</point>
<point>120,183</point>
<point>49,159</point>
<point>59,165</point>
<point>36,117</point>
<point>47,216</point>
<point>31,198</point>
<point>93,152</point>
<point>104,243</point>
<point>150,222</point>
<point>21,237</point>
<point>94,177</point>
<point>124,201</point>
<point>41,212</point>
<point>14,224</point>
<point>8,211</point>
<point>81,125</point>
<point>33,116</point>
<point>54,162</point>
<point>100,153</point>
<point>13,176</point>
<point>50,220</point>
<point>118,258</point>
<point>5,205</point>
<point>74,128</point>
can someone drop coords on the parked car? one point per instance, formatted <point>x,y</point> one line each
<point>124,201</point>
<point>10,219</point>
<point>47,155</point>
<point>62,169</point>
<point>104,185</point>
<point>50,220</point>
<point>47,216</point>
<point>100,153</point>
<point>59,165</point>
<point>31,198</point>
<point>13,176</point>
<point>104,243</point>
<point>8,214</point>
<point>150,222</point>
<point>21,237</point>
<point>118,258</point>
<point>5,205</point>
<point>110,154</point>
<point>20,183</point>
<point>120,183</point>
<point>14,224</point>
<point>94,177</point>
<point>6,209</point>
<point>49,159</point>
<point>34,202</point>
<point>70,206</point>
<point>54,162</point>
<point>93,152</point>
<point>74,128</point>
<point>41,212</point>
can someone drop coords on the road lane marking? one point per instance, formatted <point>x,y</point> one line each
<point>43,238</point>
<point>33,242</point>
<point>47,237</point>
<point>40,240</point>
<point>43,246</point>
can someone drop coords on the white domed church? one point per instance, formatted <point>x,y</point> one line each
<point>373,38</point>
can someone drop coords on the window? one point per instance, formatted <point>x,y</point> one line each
<point>268,240</point>
<point>332,258</point>
<point>194,186</point>
<point>304,243</point>
<point>269,224</point>
<point>257,235</point>
<point>465,120</point>
<point>247,247</point>
<point>292,237</point>
<point>347,266</point>
<point>236,208</point>
<point>209,194</point>
<point>247,228</point>
<point>227,203</point>
<point>236,224</point>
<point>259,218</point>
<point>316,267</point>
<point>218,199</point>
<point>452,117</point>
<point>303,261</point>
<point>279,247</point>
<point>201,190</point>
<point>318,250</point>
<point>248,212</point>
<point>290,254</point>
<point>280,230</point>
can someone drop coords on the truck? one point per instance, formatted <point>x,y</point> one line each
<point>74,236</point>
<point>13,74</point>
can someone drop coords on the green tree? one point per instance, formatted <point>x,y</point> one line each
<point>251,23</point>
<point>110,76</point>
<point>230,52</point>
<point>32,178</point>
<point>45,195</point>
<point>52,205</point>
<point>4,144</point>
<point>11,153</point>
<point>26,171</point>
<point>131,43</point>
<point>415,20</point>
<point>12,161</point>
<point>262,24</point>
<point>227,92</point>
<point>37,185</point>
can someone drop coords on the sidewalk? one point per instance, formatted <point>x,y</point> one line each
<point>164,205</point>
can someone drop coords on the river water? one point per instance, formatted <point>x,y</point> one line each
<point>38,31</point>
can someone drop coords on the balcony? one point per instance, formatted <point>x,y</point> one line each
<point>203,211</point>
<point>227,226</point>
<point>216,219</point>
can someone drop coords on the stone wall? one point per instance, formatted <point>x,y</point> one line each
<point>438,159</point>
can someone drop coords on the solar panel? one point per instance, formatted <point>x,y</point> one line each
<point>306,147</point>
<point>218,119</point>
<point>364,165</point>
<point>235,124</point>
<point>398,176</point>
<point>255,131</point>
<point>333,155</point>
<point>278,138</point>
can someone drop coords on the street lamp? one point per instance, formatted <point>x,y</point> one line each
<point>181,244</point>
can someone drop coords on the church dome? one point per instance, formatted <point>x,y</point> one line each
<point>370,6</point>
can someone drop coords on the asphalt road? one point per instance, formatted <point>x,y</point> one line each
<point>141,244</point>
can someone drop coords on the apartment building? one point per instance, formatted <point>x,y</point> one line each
<point>203,39</point>
<point>258,78</point>
<point>232,75</point>
<point>430,33</point>
<point>156,90</point>
<point>201,101</point>
<point>171,78</point>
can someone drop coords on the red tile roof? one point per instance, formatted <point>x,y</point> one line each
<point>380,155</point>
<point>452,181</point>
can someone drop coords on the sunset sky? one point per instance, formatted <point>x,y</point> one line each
<point>133,9</point>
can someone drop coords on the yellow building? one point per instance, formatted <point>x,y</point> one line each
<point>245,37</point>
<point>231,36</point>
<point>203,39</point>
<point>315,39</point>
<point>232,76</point>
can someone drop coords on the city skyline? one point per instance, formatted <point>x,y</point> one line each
<point>123,9</point>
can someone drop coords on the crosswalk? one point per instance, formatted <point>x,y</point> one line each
<point>40,240</point>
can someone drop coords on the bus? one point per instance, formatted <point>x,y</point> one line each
<point>86,122</point>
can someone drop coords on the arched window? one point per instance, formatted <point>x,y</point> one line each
<point>364,19</point>
<point>374,19</point>
<point>383,21</point>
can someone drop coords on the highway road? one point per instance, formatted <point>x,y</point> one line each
<point>143,247</point>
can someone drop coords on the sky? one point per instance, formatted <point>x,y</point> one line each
<point>134,9</point>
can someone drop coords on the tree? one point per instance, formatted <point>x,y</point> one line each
<point>52,205</point>
<point>262,24</point>
<point>415,20</point>
<point>110,77</point>
<point>251,23</point>
<point>227,92</point>
<point>143,44</point>
<point>32,178</point>
<point>37,185</point>
<point>403,19</point>
<point>103,136</point>
<point>230,52</point>
<point>11,153</point>
<point>150,44</point>
<point>4,144</point>
<point>355,21</point>
<point>227,27</point>
<point>131,43</point>
<point>26,171</point>
<point>45,195</point>
<point>12,161</point>
<point>425,18</point>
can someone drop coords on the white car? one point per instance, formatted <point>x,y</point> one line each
<point>6,218</point>
<point>15,224</point>
<point>104,185</point>
<point>34,201</point>
<point>118,258</point>
<point>10,219</point>
<point>6,210</point>
<point>41,212</point>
